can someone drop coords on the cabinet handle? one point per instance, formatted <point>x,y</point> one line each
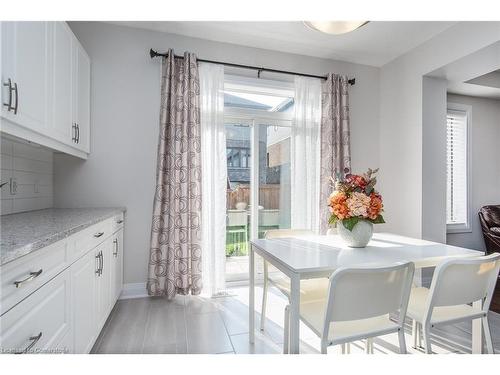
<point>97,235</point>
<point>9,104</point>
<point>77,133</point>
<point>102,263</point>
<point>119,222</point>
<point>33,275</point>
<point>98,259</point>
<point>17,98</point>
<point>115,241</point>
<point>34,340</point>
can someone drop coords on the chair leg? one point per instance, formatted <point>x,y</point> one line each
<point>264,297</point>
<point>414,333</point>
<point>286,334</point>
<point>487,335</point>
<point>427,339</point>
<point>402,342</point>
<point>324,347</point>
<point>419,334</point>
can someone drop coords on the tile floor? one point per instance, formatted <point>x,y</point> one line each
<point>190,324</point>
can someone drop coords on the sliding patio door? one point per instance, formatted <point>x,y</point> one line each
<point>258,129</point>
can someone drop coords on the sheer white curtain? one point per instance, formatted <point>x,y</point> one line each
<point>214,178</point>
<point>305,150</point>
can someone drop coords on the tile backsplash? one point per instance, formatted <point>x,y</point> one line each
<point>28,170</point>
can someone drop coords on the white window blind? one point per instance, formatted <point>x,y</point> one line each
<point>456,169</point>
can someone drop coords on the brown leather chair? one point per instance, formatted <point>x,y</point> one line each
<point>489,216</point>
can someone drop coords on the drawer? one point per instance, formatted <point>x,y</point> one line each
<point>23,276</point>
<point>118,222</point>
<point>89,238</point>
<point>39,323</point>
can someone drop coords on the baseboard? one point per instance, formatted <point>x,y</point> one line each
<point>134,290</point>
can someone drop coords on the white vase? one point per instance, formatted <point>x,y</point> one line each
<point>360,235</point>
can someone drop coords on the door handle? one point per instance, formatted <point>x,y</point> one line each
<point>32,276</point>
<point>34,340</point>
<point>9,104</point>
<point>115,242</point>
<point>17,97</point>
<point>98,259</point>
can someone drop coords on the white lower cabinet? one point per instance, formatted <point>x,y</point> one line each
<point>40,322</point>
<point>83,302</point>
<point>103,283</point>
<point>67,313</point>
<point>117,265</point>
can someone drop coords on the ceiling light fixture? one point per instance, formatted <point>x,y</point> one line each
<point>335,27</point>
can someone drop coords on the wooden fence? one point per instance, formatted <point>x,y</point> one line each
<point>269,196</point>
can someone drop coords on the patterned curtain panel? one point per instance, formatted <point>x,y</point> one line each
<point>335,138</point>
<point>175,256</point>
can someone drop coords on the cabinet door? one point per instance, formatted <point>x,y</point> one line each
<point>104,283</point>
<point>117,266</point>
<point>81,101</point>
<point>25,61</point>
<point>62,124</point>
<point>39,323</point>
<point>84,277</point>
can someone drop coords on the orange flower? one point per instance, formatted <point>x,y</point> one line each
<point>338,206</point>
<point>376,206</point>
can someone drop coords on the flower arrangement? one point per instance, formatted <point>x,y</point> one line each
<point>355,199</point>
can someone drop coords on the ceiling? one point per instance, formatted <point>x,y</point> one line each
<point>374,44</point>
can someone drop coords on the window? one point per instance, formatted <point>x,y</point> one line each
<point>457,168</point>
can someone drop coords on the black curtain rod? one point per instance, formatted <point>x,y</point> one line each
<point>153,54</point>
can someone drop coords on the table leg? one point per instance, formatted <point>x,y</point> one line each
<point>477,331</point>
<point>251,304</point>
<point>294,314</point>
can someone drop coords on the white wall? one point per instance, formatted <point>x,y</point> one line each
<point>32,168</point>
<point>434,159</point>
<point>401,126</point>
<point>485,164</point>
<point>125,85</point>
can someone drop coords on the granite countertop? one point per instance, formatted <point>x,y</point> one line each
<point>23,233</point>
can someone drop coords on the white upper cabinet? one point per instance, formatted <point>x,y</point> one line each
<point>62,83</point>
<point>26,73</point>
<point>81,97</point>
<point>46,86</point>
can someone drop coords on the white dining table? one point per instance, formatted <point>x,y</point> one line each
<point>312,256</point>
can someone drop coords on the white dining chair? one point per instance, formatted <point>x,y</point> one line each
<point>313,288</point>
<point>358,306</point>
<point>456,284</point>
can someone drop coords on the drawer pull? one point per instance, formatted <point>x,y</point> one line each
<point>33,275</point>
<point>34,340</point>
<point>119,221</point>
<point>97,235</point>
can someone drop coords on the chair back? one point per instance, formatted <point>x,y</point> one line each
<point>237,218</point>
<point>490,215</point>
<point>362,293</point>
<point>286,233</point>
<point>462,281</point>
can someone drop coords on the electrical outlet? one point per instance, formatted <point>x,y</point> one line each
<point>13,186</point>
